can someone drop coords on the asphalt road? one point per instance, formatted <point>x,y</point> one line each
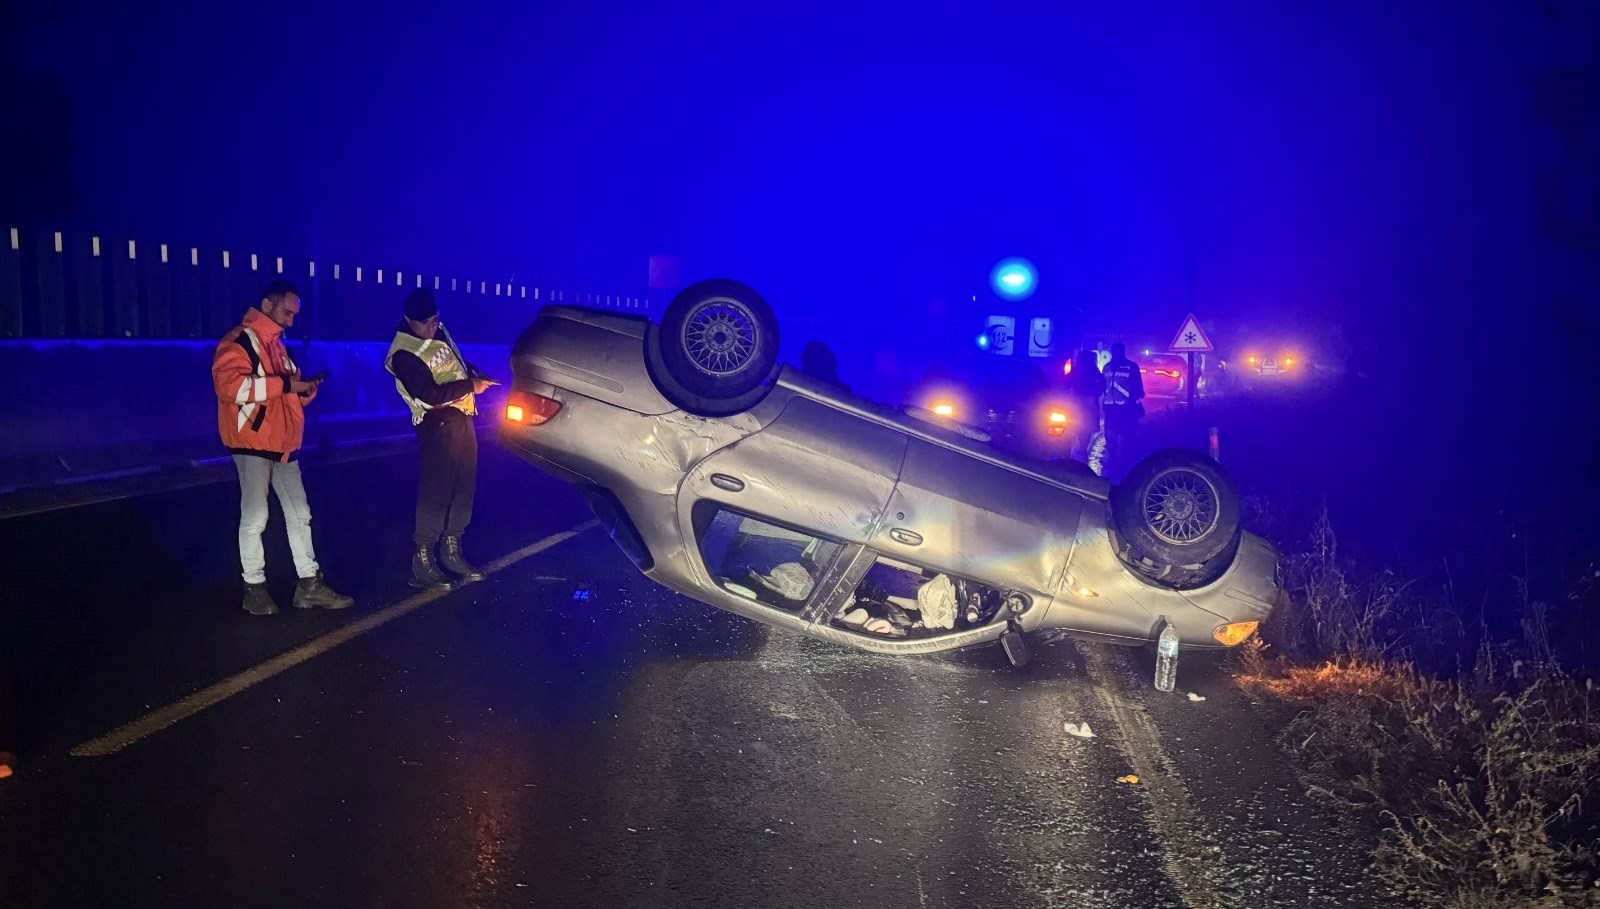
<point>514,743</point>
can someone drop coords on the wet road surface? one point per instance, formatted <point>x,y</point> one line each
<point>518,743</point>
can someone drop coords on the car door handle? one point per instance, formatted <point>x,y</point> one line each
<point>908,537</point>
<point>723,481</point>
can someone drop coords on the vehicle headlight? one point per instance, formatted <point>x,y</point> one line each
<point>1234,632</point>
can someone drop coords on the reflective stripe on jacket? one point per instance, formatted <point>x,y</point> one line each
<point>250,372</point>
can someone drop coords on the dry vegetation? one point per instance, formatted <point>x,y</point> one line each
<point>1487,786</point>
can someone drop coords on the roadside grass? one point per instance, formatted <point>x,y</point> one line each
<point>1485,784</point>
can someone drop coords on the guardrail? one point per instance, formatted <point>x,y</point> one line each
<point>54,285</point>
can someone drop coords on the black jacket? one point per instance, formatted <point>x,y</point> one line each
<point>1124,384</point>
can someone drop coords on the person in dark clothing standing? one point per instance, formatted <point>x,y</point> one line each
<point>818,361</point>
<point>1085,387</point>
<point>440,389</point>
<point>1124,392</point>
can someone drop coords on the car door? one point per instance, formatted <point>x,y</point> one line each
<point>955,513</point>
<point>809,487</point>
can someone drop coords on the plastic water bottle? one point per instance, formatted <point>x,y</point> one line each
<point>1167,657</point>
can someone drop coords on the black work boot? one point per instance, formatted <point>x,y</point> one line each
<point>454,562</point>
<point>314,591</point>
<point>425,571</point>
<point>258,601</point>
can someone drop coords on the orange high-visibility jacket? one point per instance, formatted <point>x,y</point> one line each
<point>256,414</point>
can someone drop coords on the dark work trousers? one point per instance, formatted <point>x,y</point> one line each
<point>1121,421</point>
<point>449,475</point>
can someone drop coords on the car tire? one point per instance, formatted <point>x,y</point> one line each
<point>1176,517</point>
<point>716,350</point>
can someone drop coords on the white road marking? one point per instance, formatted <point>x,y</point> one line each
<point>157,720</point>
<point>1172,820</point>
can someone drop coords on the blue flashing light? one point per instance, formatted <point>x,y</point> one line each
<point>1014,278</point>
<point>983,341</point>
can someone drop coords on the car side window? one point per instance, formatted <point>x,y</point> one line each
<point>764,562</point>
<point>899,599</point>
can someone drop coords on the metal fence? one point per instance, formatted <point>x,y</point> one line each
<point>60,286</point>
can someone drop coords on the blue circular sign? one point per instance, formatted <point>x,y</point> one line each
<point>1014,278</point>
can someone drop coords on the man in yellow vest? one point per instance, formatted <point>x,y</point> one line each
<point>439,387</point>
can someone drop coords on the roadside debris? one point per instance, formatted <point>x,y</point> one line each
<point>1130,779</point>
<point>1196,697</point>
<point>1081,730</point>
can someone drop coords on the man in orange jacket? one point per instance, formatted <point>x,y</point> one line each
<point>260,414</point>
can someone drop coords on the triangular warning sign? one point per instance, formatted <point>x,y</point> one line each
<point>1191,338</point>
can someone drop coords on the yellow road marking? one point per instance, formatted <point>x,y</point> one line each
<point>157,720</point>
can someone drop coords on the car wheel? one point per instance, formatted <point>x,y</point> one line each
<point>716,348</point>
<point>1177,518</point>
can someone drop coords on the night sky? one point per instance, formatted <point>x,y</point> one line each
<point>1251,157</point>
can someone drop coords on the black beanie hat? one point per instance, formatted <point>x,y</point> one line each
<point>420,305</point>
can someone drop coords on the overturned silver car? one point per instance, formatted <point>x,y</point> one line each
<point>765,492</point>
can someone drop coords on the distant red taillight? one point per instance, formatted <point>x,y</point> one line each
<point>530,409</point>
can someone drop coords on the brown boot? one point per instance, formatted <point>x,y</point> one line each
<point>258,600</point>
<point>314,591</point>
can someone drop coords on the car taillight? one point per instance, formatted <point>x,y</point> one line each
<point>530,409</point>
<point>1057,430</point>
<point>1234,633</point>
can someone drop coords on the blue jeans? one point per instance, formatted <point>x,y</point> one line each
<point>255,476</point>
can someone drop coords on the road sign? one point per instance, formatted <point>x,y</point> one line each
<point>1190,338</point>
<point>1002,334</point>
<point>1041,337</point>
